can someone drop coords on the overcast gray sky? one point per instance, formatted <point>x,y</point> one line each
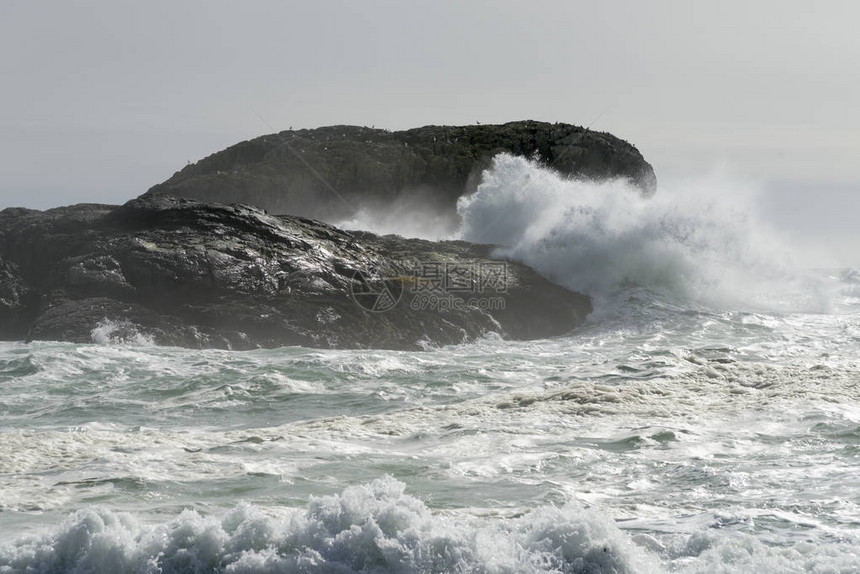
<point>102,99</point>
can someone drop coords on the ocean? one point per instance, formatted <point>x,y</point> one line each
<point>705,418</point>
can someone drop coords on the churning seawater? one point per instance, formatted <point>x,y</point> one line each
<point>673,432</point>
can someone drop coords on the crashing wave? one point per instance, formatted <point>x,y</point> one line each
<point>698,243</point>
<point>368,528</point>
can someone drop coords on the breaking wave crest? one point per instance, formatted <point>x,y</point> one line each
<point>377,528</point>
<point>108,332</point>
<point>368,528</point>
<point>701,242</point>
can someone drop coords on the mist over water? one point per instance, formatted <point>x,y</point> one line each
<point>414,213</point>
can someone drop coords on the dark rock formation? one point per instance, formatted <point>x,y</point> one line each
<point>180,272</point>
<point>328,173</point>
<point>13,300</point>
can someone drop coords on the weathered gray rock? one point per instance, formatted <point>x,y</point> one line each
<point>328,173</point>
<point>13,296</point>
<point>181,272</point>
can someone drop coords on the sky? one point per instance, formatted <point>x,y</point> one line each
<point>102,99</point>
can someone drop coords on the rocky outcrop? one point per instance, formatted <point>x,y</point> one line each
<point>181,272</point>
<point>329,173</point>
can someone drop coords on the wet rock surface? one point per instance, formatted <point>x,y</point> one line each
<point>181,272</point>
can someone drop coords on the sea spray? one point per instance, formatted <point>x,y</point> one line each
<point>411,214</point>
<point>701,241</point>
<point>108,332</point>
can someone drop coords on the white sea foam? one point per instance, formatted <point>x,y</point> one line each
<point>699,241</point>
<point>377,528</point>
<point>368,528</point>
<point>108,332</point>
